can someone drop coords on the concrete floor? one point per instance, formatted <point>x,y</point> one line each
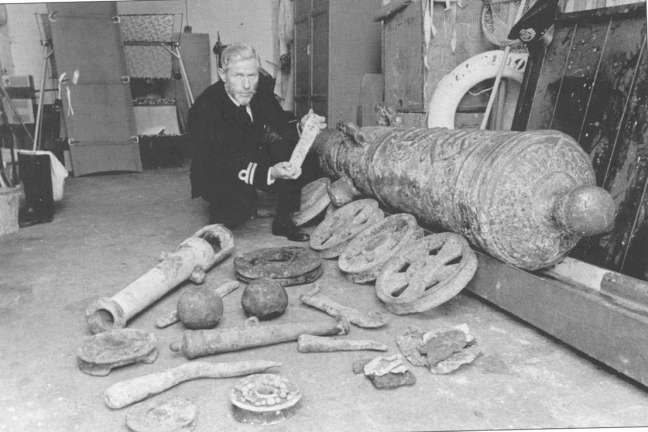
<point>110,229</point>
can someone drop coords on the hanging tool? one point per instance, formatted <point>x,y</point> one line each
<point>41,95</point>
<point>500,71</point>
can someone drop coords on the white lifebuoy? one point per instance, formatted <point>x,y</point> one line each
<point>452,87</point>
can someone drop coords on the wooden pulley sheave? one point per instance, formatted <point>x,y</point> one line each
<point>430,272</point>
<point>335,232</point>
<point>363,258</point>
<point>291,265</point>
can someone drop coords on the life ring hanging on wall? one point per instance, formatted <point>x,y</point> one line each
<point>452,87</point>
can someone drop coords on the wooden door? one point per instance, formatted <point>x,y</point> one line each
<point>86,37</point>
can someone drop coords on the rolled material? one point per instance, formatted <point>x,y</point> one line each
<point>526,198</point>
<point>136,389</point>
<point>312,344</point>
<point>206,342</point>
<point>191,259</point>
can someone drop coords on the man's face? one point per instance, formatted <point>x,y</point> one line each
<point>240,79</point>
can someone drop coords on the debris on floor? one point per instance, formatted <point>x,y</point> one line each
<point>290,265</point>
<point>313,344</point>
<point>441,351</point>
<point>388,372</point>
<point>264,298</point>
<point>264,399</point>
<point>124,393</point>
<point>366,320</point>
<point>191,259</point>
<point>197,343</point>
<point>173,415</point>
<point>101,353</point>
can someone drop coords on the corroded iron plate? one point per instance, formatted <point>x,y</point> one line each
<point>291,265</point>
<point>314,200</point>
<point>173,415</point>
<point>433,270</point>
<point>365,255</point>
<point>264,393</point>
<point>101,353</point>
<point>338,228</point>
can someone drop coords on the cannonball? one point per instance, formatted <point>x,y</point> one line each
<point>200,308</point>
<point>264,298</point>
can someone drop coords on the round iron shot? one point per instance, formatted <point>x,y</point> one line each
<point>365,255</point>
<point>335,232</point>
<point>173,415</point>
<point>291,265</point>
<point>430,272</point>
<point>264,399</point>
<point>314,200</point>
<point>101,353</point>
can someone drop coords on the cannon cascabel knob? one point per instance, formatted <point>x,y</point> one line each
<point>585,211</point>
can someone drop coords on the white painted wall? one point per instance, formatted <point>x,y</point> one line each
<point>237,20</point>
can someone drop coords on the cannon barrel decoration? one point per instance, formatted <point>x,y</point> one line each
<point>191,259</point>
<point>526,198</point>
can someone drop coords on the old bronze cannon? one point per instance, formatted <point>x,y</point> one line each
<point>526,198</point>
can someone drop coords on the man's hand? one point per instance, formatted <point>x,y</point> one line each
<point>284,170</point>
<point>312,120</point>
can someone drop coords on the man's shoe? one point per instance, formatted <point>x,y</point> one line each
<point>291,232</point>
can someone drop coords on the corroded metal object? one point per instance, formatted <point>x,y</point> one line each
<point>314,200</point>
<point>342,192</point>
<point>173,415</point>
<point>101,353</point>
<point>264,298</point>
<point>264,398</point>
<point>316,344</point>
<point>430,272</point>
<point>196,343</point>
<point>363,259</point>
<point>339,227</point>
<point>124,393</point>
<point>524,197</point>
<point>191,259</point>
<point>361,319</point>
<point>291,265</point>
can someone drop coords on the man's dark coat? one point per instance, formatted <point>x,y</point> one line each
<point>231,153</point>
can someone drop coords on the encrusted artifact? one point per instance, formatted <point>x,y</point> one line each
<point>387,372</point>
<point>173,415</point>
<point>191,259</point>
<point>342,192</point>
<point>196,343</point>
<point>363,258</point>
<point>101,353</point>
<point>264,398</point>
<point>339,227</point>
<point>172,316</point>
<point>430,272</point>
<point>319,301</point>
<point>264,298</point>
<point>523,197</point>
<point>314,344</point>
<point>441,351</point>
<point>199,308</point>
<point>128,392</point>
<point>290,265</point>
<point>314,200</point>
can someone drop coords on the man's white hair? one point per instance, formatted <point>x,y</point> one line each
<point>238,51</point>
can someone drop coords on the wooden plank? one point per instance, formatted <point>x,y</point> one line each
<point>584,319</point>
<point>86,38</point>
<point>403,59</point>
